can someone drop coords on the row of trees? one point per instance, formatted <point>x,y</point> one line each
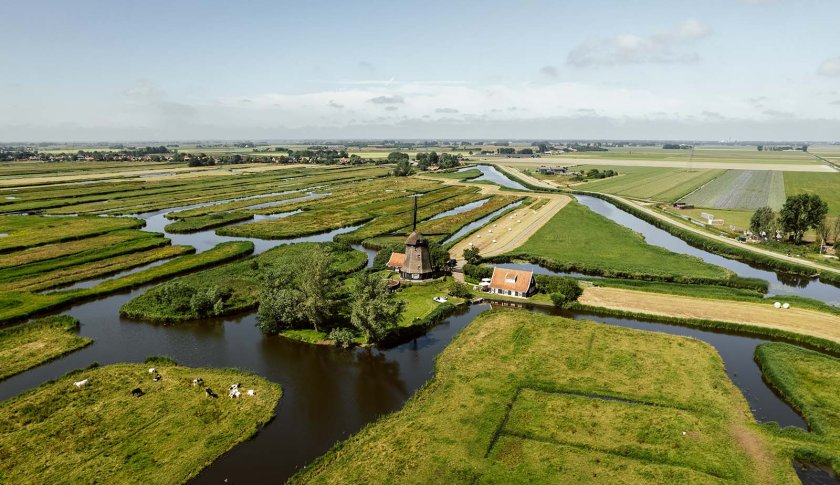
<point>799,214</point>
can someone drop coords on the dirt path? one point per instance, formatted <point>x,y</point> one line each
<point>798,320</point>
<point>531,180</point>
<point>509,232</point>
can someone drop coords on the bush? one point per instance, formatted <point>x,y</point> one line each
<point>343,337</point>
<point>160,360</point>
<point>460,290</point>
<point>563,291</point>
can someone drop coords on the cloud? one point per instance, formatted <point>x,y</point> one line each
<point>549,71</point>
<point>391,108</point>
<point>758,2</point>
<point>773,113</point>
<point>335,105</point>
<point>836,101</point>
<point>662,47</point>
<point>447,110</point>
<point>396,99</point>
<point>830,67</point>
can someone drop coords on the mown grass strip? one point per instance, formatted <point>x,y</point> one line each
<point>30,231</point>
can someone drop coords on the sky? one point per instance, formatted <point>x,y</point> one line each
<point>271,70</point>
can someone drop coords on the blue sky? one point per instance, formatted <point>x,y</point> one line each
<point>164,70</point>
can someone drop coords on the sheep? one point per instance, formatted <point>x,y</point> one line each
<point>157,377</point>
<point>209,392</point>
<point>251,392</point>
<point>234,393</point>
<point>137,392</point>
<point>198,381</point>
<point>152,370</point>
<point>81,384</point>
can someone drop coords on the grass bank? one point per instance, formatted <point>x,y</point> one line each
<point>27,345</point>
<point>101,433</point>
<point>520,397</point>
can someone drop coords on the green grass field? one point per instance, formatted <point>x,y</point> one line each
<point>745,155</point>
<point>577,239</point>
<point>27,345</point>
<point>57,433</point>
<point>26,231</point>
<point>519,397</point>
<point>826,185</point>
<point>664,184</point>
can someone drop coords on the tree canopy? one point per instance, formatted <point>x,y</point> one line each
<point>763,220</point>
<point>800,213</point>
<point>375,309</point>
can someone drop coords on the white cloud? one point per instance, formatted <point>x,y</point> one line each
<point>387,100</point>
<point>661,47</point>
<point>550,71</point>
<point>830,67</point>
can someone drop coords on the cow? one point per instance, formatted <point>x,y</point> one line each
<point>137,392</point>
<point>157,377</point>
<point>152,370</point>
<point>209,392</point>
<point>81,384</point>
<point>198,382</point>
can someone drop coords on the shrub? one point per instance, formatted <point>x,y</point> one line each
<point>460,290</point>
<point>160,360</point>
<point>343,337</point>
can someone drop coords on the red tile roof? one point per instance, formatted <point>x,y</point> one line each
<point>511,279</point>
<point>397,260</point>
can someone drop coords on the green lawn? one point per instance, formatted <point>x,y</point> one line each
<point>29,344</point>
<point>578,239</point>
<point>100,433</point>
<point>27,231</point>
<point>520,397</point>
<point>420,299</point>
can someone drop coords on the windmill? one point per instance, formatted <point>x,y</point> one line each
<point>418,262</point>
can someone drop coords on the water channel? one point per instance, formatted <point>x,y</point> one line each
<point>328,393</point>
<point>491,174</point>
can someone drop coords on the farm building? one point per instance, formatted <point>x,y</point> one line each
<point>512,282</point>
<point>396,261</point>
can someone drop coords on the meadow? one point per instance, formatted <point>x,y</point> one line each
<point>101,433</point>
<point>25,346</point>
<point>827,186</point>
<point>740,155</point>
<point>520,397</point>
<point>577,239</point>
<point>744,189</point>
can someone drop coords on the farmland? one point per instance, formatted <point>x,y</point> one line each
<point>663,184</point>
<point>577,239</point>
<point>59,433</point>
<point>550,419</point>
<point>827,186</point>
<point>747,189</point>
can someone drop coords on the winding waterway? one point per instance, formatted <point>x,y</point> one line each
<point>328,393</point>
<point>491,174</point>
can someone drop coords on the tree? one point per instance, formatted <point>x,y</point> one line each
<point>471,254</point>
<point>298,294</point>
<point>396,157</point>
<point>800,213</point>
<point>438,255</point>
<point>836,231</point>
<point>375,309</point>
<point>403,169</point>
<point>763,220</point>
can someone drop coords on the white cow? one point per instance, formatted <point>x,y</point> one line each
<point>81,384</point>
